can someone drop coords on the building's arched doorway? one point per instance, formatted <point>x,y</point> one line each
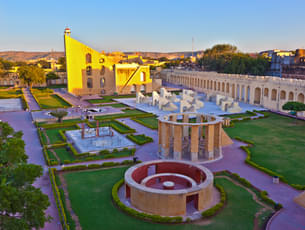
<point>257,95</point>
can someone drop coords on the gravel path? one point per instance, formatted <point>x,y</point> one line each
<point>23,121</point>
<point>30,99</point>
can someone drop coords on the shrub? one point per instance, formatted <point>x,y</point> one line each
<point>94,166</point>
<point>109,156</point>
<point>110,164</point>
<point>104,152</point>
<point>73,168</point>
<point>216,208</point>
<point>67,162</point>
<point>59,203</point>
<point>155,218</point>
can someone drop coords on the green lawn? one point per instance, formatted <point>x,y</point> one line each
<point>115,105</point>
<point>279,144</point>
<point>66,155</point>
<point>118,126</point>
<point>140,139</point>
<point>95,209</point>
<point>47,100</point>
<point>54,135</point>
<point>240,115</point>
<point>127,113</point>
<point>11,93</point>
<point>150,122</point>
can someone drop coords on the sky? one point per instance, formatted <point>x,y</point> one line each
<point>155,25</point>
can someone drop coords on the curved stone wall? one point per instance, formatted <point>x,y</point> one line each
<point>191,136</point>
<point>173,185</point>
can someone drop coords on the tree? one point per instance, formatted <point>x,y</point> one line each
<point>51,76</point>
<point>43,64</point>
<point>31,75</point>
<point>22,206</point>
<point>62,62</point>
<point>59,114</point>
<point>294,106</point>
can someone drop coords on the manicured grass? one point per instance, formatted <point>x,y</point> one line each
<point>107,99</point>
<point>240,115</point>
<point>279,144</point>
<point>140,139</point>
<point>118,126</point>
<point>93,205</point>
<point>67,157</point>
<point>47,100</point>
<point>127,113</point>
<point>116,105</point>
<point>54,135</point>
<point>150,122</point>
<point>11,93</point>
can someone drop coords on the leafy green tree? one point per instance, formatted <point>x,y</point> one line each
<point>60,114</point>
<point>22,206</point>
<point>294,106</point>
<point>43,64</point>
<point>62,62</point>
<point>31,75</point>
<point>51,76</point>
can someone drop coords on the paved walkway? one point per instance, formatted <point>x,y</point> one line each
<point>30,99</point>
<point>73,100</point>
<point>23,121</point>
<point>292,216</point>
<point>148,151</point>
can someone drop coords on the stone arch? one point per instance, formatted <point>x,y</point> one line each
<point>283,95</point>
<point>237,92</point>
<point>218,86</point>
<point>143,88</point>
<point>223,87</point>
<point>301,97</point>
<point>142,76</point>
<point>133,88</point>
<point>290,96</point>
<point>88,58</point>
<point>243,93</point>
<point>228,88</point>
<point>273,94</point>
<point>204,84</point>
<point>89,70</point>
<point>266,92</point>
<point>208,84</point>
<point>248,94</point>
<point>233,90</point>
<point>215,85</point>
<point>89,83</point>
<point>102,82</point>
<point>257,95</point>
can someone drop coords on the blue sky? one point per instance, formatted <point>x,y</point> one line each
<point>158,25</point>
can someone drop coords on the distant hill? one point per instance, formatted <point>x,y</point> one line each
<point>25,56</point>
<point>169,55</point>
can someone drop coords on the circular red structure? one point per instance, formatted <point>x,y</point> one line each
<point>167,187</point>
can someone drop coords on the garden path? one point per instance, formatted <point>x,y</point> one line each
<point>30,99</point>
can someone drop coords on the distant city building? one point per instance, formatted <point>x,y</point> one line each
<point>286,64</point>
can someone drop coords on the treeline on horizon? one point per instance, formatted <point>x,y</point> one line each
<point>225,58</point>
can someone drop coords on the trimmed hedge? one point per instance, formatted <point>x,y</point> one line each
<point>96,166</point>
<point>144,123</point>
<point>140,139</point>
<point>216,208</point>
<point>141,215</point>
<point>59,203</point>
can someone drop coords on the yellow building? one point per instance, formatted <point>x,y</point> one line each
<point>92,72</point>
